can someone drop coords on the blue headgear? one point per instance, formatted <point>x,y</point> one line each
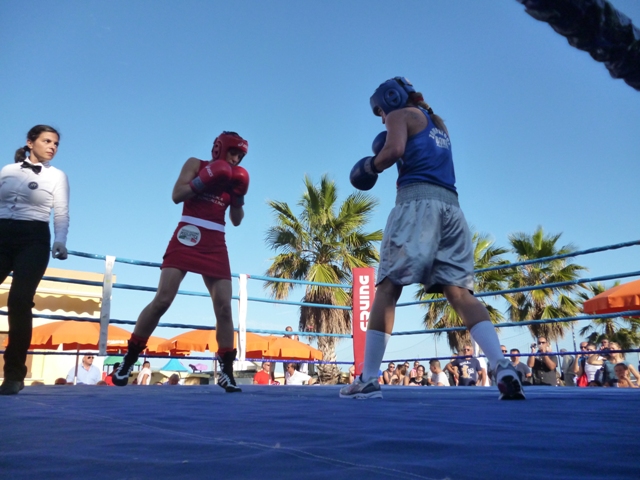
<point>391,95</point>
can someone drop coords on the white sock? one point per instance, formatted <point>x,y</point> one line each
<point>375,345</point>
<point>486,337</point>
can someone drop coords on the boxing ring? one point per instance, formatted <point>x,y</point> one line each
<point>308,432</point>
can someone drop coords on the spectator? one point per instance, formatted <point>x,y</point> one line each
<point>604,343</point>
<point>414,370</point>
<point>293,337</point>
<point>88,374</point>
<point>400,377</point>
<point>144,376</point>
<point>589,363</point>
<point>109,378</point>
<point>594,383</point>
<point>294,377</point>
<point>174,379</point>
<point>438,377</point>
<point>524,372</point>
<point>451,372</point>
<point>419,380</point>
<point>467,369</point>
<point>352,373</point>
<point>102,382</point>
<point>543,367</point>
<point>611,360</point>
<point>388,373</point>
<point>263,377</point>
<point>568,371</point>
<point>60,381</point>
<point>622,374</point>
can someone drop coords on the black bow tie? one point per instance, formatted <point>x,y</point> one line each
<point>35,168</point>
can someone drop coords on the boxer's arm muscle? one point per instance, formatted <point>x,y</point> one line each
<point>181,190</point>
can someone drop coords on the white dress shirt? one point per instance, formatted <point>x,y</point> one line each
<point>26,195</point>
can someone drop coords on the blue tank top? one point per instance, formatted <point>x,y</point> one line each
<point>427,158</point>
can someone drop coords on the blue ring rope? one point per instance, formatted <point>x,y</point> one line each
<point>304,282</point>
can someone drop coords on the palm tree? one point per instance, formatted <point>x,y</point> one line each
<point>322,245</point>
<point>441,315</point>
<point>622,330</point>
<point>558,302</point>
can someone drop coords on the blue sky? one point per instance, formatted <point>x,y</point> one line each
<point>541,134</point>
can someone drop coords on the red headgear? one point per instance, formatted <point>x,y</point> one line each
<point>225,141</point>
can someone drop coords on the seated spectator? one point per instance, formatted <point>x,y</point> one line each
<point>438,377</point>
<point>144,376</point>
<point>616,358</point>
<point>399,376</point>
<point>60,381</point>
<point>36,382</point>
<point>388,373</point>
<point>588,363</point>
<point>263,377</point>
<point>102,382</point>
<point>622,374</point>
<point>88,373</point>
<point>452,373</point>
<point>109,378</point>
<point>419,380</point>
<point>524,372</point>
<point>294,377</point>
<point>414,370</point>
<point>467,369</point>
<point>174,379</point>
<point>594,383</point>
<point>352,373</point>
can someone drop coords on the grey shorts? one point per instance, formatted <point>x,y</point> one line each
<point>427,240</point>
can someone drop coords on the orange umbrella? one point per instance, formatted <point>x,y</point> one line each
<point>617,299</point>
<point>121,346</point>
<point>282,347</point>
<point>73,335</point>
<point>203,340</point>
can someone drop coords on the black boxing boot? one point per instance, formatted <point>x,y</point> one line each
<point>11,387</point>
<point>121,375</point>
<point>225,378</point>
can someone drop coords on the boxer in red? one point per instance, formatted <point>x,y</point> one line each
<point>206,188</point>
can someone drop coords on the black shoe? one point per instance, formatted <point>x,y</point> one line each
<point>225,378</point>
<point>11,387</point>
<point>121,374</point>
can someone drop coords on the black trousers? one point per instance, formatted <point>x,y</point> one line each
<point>24,250</point>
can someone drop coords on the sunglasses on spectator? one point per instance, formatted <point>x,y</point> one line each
<point>583,346</point>
<point>541,343</point>
<point>89,356</point>
<point>504,351</point>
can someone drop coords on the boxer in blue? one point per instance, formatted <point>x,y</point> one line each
<point>426,239</point>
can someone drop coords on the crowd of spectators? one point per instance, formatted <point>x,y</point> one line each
<point>596,367</point>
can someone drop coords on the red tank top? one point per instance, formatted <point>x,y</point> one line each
<point>209,205</point>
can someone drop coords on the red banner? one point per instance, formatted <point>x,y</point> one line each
<point>364,289</point>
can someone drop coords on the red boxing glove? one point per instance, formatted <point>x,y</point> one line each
<point>214,173</point>
<point>239,185</point>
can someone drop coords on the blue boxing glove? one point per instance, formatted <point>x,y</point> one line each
<point>379,142</point>
<point>364,174</point>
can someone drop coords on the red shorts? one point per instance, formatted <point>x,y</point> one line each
<point>198,250</point>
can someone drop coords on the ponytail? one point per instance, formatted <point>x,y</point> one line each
<point>21,154</point>
<point>417,100</point>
